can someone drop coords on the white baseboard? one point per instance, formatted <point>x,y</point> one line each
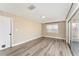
<point>55,37</point>
<point>35,39</point>
<point>26,41</point>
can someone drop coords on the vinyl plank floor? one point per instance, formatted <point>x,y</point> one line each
<point>40,47</point>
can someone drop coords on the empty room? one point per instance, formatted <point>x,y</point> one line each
<point>39,29</point>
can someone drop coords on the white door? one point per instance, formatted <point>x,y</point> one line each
<point>4,32</point>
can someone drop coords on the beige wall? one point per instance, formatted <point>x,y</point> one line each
<point>61,27</point>
<point>23,29</point>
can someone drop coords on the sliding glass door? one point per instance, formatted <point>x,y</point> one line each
<point>74,33</point>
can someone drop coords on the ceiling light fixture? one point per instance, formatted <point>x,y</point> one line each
<point>43,17</point>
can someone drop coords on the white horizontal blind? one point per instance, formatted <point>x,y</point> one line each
<point>52,28</point>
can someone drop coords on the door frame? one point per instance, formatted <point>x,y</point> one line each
<point>11,31</point>
<point>67,23</point>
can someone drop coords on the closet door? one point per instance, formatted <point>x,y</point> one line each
<point>4,32</point>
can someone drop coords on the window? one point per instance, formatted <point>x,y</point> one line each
<point>52,28</point>
<point>75,30</point>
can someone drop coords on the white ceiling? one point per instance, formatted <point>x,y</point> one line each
<point>52,11</point>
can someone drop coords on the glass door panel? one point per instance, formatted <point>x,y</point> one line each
<point>74,34</point>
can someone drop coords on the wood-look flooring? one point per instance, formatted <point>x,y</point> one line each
<point>39,47</point>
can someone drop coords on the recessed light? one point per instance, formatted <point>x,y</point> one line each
<point>43,17</point>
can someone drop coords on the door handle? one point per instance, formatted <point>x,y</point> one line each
<point>10,34</point>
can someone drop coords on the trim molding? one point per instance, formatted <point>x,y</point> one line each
<point>70,49</point>
<point>25,41</point>
<point>55,37</point>
<point>35,39</point>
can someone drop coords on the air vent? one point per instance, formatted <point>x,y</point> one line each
<point>31,7</point>
<point>3,46</point>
